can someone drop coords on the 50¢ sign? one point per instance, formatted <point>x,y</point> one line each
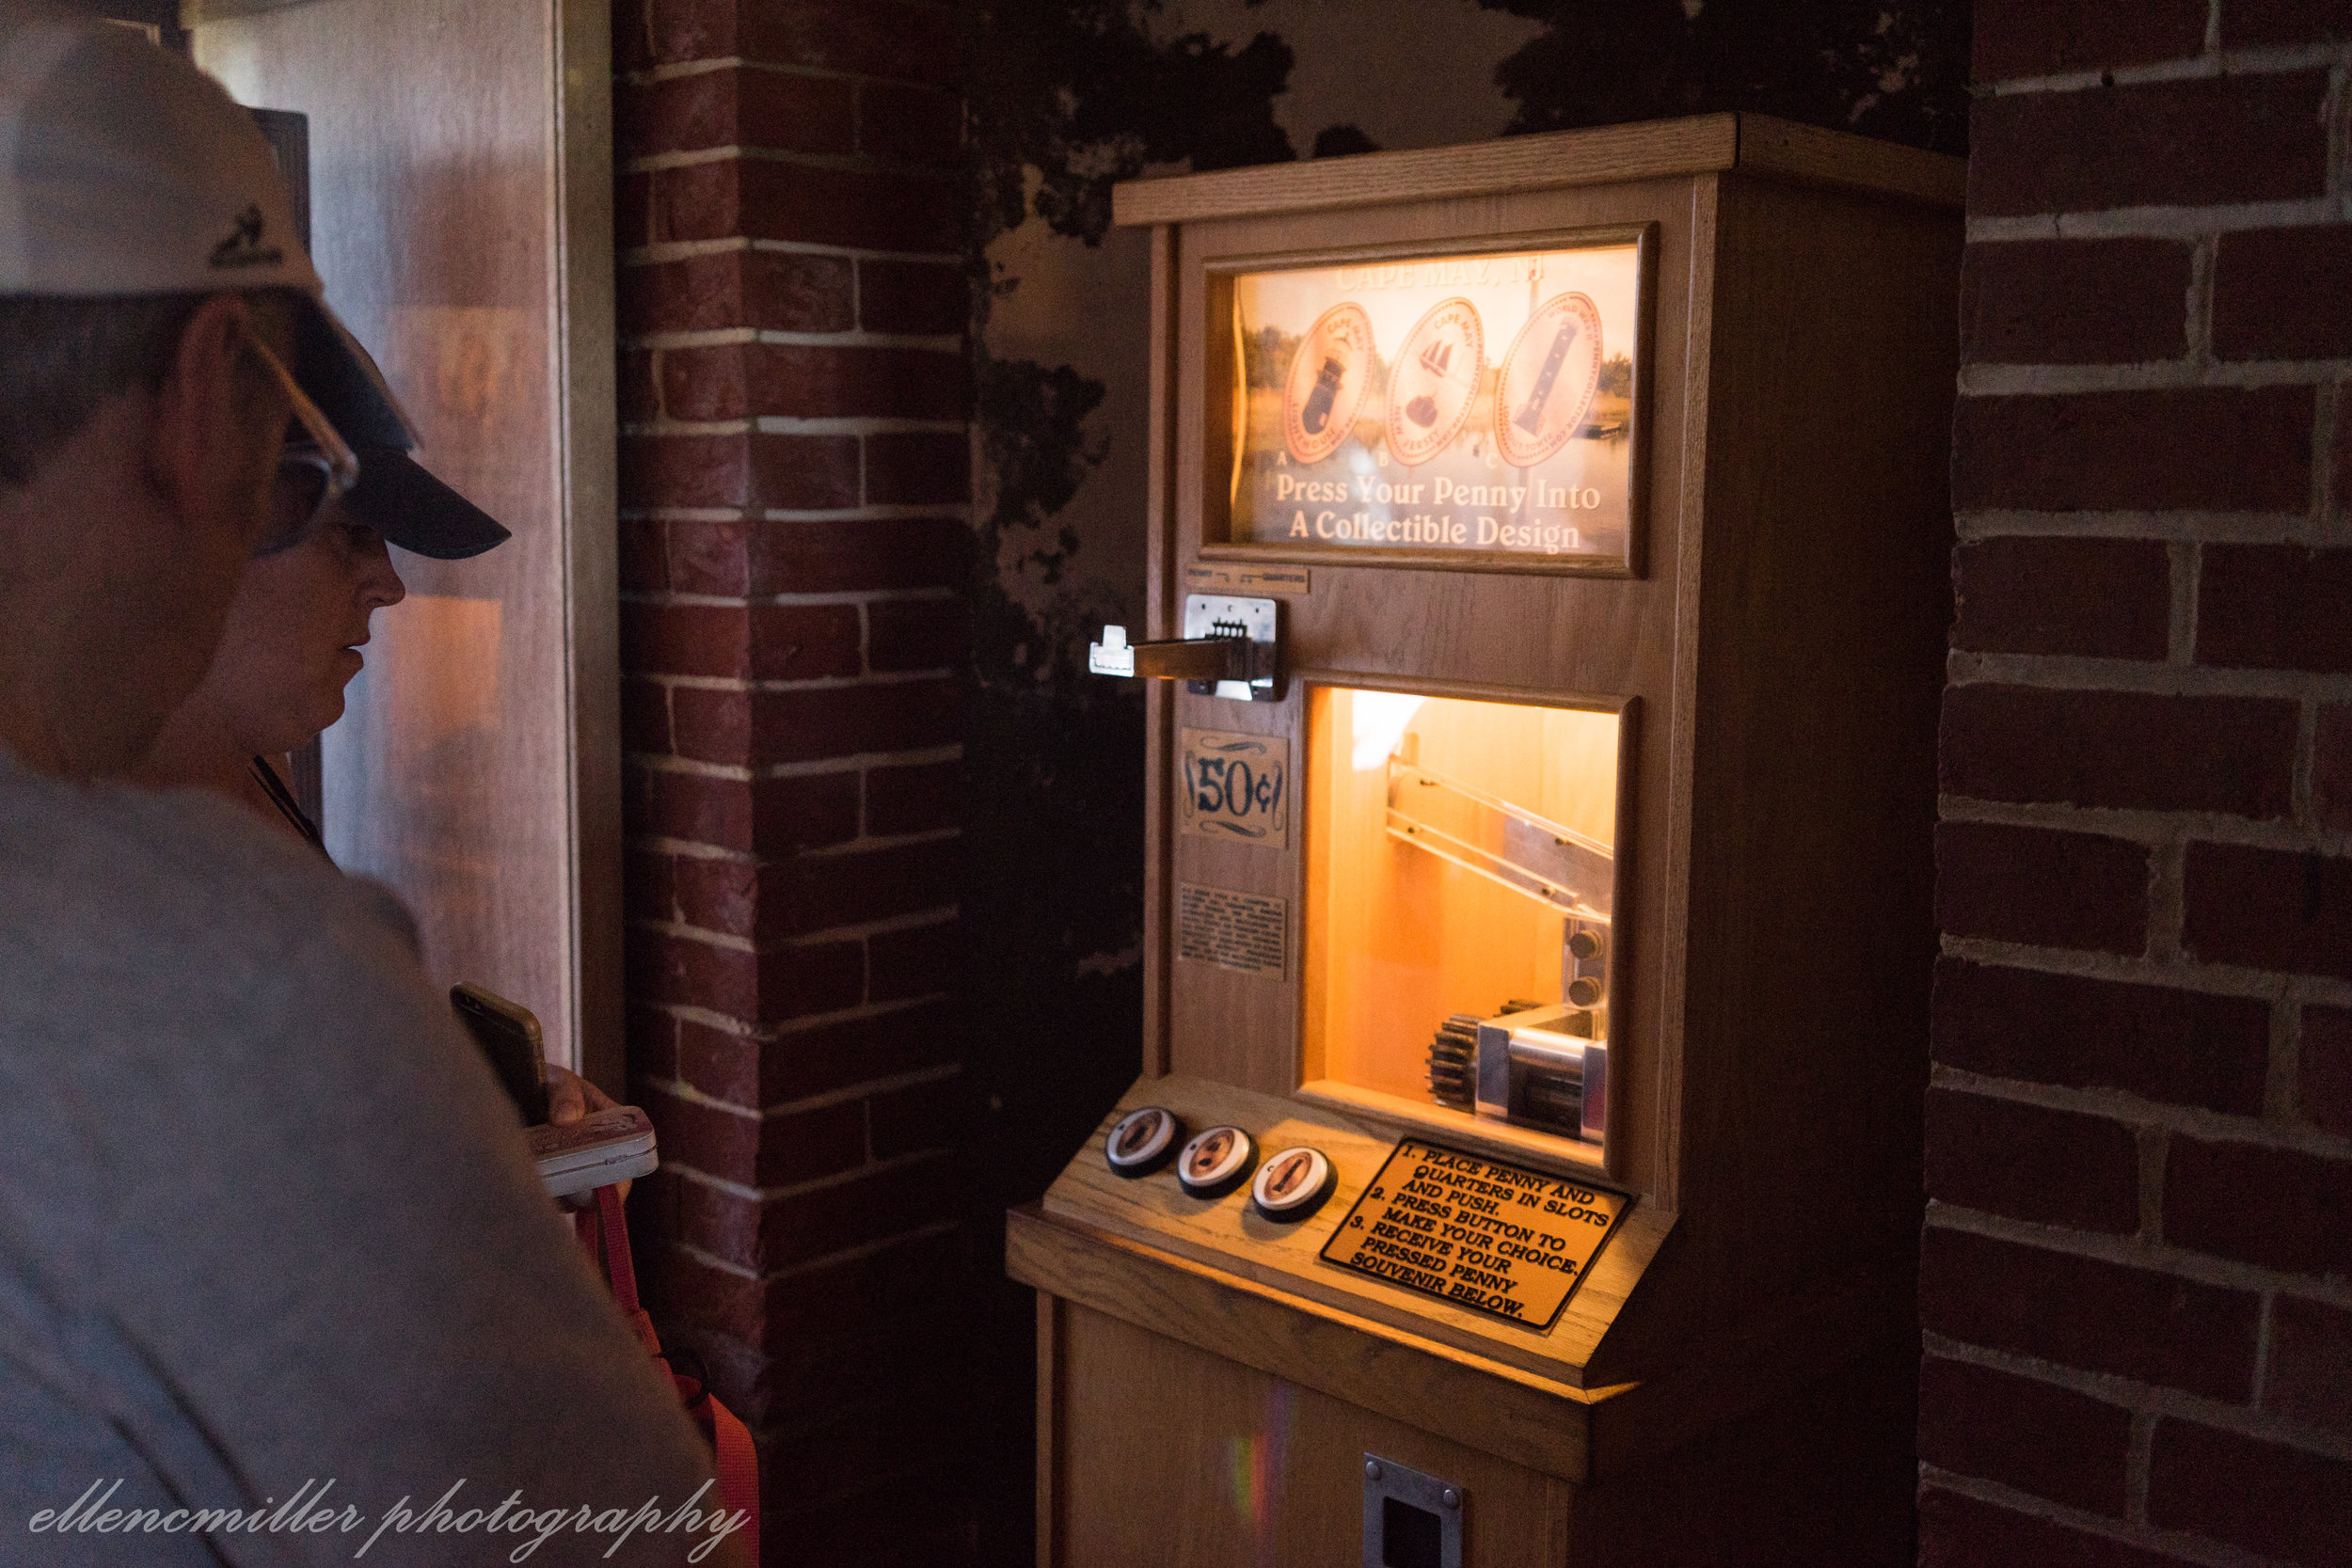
<point>1235,787</point>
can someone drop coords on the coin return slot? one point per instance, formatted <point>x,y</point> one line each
<point>1410,1536</point>
<point>1411,1520</point>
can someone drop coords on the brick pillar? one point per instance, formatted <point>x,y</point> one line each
<point>2137,1286</point>
<point>794,470</point>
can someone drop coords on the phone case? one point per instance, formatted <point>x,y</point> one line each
<point>508,1035</point>
<point>599,1150</point>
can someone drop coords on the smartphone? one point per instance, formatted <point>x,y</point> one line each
<point>508,1033</point>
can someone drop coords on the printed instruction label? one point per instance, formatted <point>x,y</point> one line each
<point>1248,932</point>
<point>1477,1232</point>
<point>1204,578</point>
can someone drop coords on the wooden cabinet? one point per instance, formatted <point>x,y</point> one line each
<point>1600,478</point>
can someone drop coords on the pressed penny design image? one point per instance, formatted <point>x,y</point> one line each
<point>1293,1184</point>
<point>1481,403</point>
<point>1329,377</point>
<point>1435,380</point>
<point>1139,1143</point>
<point>1549,377</point>
<point>1214,1163</point>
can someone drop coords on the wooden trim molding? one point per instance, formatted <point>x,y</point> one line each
<point>1701,144</point>
<point>588,446</point>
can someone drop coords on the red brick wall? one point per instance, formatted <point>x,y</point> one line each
<point>794,469</point>
<point>2137,1287</point>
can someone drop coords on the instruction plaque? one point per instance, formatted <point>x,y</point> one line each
<point>1500,1240</point>
<point>1244,932</point>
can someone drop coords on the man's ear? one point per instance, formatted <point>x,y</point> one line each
<point>218,426</point>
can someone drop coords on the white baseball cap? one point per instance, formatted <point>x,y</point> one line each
<point>125,170</point>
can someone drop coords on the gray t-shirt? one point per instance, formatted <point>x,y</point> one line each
<point>266,1219</point>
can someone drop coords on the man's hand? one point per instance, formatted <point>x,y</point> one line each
<point>571,1096</point>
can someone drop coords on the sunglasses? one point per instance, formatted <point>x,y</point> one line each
<point>298,498</point>
<point>309,474</point>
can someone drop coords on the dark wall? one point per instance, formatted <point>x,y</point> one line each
<point>2138,1333</point>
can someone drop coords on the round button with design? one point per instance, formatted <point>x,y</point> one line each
<point>1142,1141</point>
<point>1293,1184</point>
<point>1214,1161</point>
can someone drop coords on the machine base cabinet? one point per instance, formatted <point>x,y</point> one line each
<point>1164,1454</point>
<point>1174,1456</point>
<point>1167,1454</point>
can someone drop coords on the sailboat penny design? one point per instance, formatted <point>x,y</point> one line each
<point>1549,376</point>
<point>1435,380</point>
<point>1329,377</point>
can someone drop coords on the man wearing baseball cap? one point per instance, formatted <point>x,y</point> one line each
<point>266,1226</point>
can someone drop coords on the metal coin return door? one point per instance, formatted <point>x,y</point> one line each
<point>1411,1520</point>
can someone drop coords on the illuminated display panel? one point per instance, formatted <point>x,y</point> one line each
<point>1480,405</point>
<point>1461,867</point>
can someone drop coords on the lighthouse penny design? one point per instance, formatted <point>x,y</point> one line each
<point>1329,377</point>
<point>1549,376</point>
<point>1293,1184</point>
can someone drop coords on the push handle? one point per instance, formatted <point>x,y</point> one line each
<point>1230,648</point>
<point>1224,657</point>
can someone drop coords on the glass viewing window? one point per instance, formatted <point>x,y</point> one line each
<point>1479,405</point>
<point>1461,879</point>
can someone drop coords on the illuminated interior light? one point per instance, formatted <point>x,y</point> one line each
<point>1378,725</point>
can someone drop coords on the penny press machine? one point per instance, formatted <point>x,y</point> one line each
<point>1546,622</point>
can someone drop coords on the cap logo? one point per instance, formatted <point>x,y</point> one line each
<point>243,247</point>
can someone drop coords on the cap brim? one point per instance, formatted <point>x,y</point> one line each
<point>409,506</point>
<point>340,377</point>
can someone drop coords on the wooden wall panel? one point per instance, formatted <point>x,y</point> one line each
<point>1823,608</point>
